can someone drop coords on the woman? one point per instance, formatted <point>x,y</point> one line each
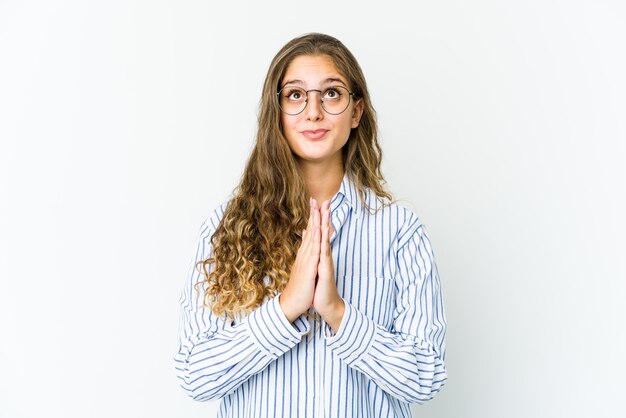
<point>314,295</point>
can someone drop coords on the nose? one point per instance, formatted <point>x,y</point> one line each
<point>314,109</point>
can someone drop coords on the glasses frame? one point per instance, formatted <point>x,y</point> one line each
<point>306,101</point>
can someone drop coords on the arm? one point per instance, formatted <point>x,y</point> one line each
<point>214,356</point>
<point>406,361</point>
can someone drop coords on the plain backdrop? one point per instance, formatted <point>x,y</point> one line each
<point>123,123</point>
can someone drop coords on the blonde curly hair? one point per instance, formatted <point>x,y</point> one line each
<point>255,243</point>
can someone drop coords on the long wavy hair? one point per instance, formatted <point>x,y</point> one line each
<point>255,243</point>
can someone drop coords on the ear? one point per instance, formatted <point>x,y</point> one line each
<point>357,112</point>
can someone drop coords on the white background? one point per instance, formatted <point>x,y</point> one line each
<point>124,123</point>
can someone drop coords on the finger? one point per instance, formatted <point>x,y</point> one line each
<point>325,230</point>
<point>316,214</point>
<point>316,227</point>
<point>316,244</point>
<point>330,224</point>
<point>303,243</point>
<point>330,228</point>
<point>308,236</point>
<point>327,210</point>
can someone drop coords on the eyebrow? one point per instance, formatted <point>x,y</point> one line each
<point>328,80</point>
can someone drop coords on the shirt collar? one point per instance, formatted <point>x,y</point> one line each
<point>349,193</point>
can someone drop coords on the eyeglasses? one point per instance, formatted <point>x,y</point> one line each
<point>334,100</point>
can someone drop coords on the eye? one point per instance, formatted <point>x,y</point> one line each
<point>295,95</point>
<point>332,93</point>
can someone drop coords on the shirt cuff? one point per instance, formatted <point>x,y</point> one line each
<point>271,331</point>
<point>355,335</point>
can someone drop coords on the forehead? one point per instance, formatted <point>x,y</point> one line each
<point>312,70</point>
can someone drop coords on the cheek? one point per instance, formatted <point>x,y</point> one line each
<point>287,124</point>
<point>347,124</point>
<point>288,130</point>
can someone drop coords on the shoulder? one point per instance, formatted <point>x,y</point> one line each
<point>399,215</point>
<point>212,219</point>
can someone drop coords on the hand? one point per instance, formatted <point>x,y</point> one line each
<point>326,300</point>
<point>297,296</point>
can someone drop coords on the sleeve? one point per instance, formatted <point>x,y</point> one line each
<point>406,361</point>
<point>215,356</point>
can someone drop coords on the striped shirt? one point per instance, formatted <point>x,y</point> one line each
<point>389,349</point>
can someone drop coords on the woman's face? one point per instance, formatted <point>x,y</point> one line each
<point>315,135</point>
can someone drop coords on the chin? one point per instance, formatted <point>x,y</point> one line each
<point>316,156</point>
<point>313,158</point>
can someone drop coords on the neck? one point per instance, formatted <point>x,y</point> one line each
<point>322,180</point>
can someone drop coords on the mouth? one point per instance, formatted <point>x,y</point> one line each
<point>315,134</point>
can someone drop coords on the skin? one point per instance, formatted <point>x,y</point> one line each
<point>312,280</point>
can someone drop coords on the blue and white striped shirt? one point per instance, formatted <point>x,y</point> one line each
<point>388,352</point>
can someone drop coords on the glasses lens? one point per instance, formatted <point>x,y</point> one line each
<point>292,100</point>
<point>335,99</point>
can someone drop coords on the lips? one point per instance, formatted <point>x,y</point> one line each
<point>315,134</point>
